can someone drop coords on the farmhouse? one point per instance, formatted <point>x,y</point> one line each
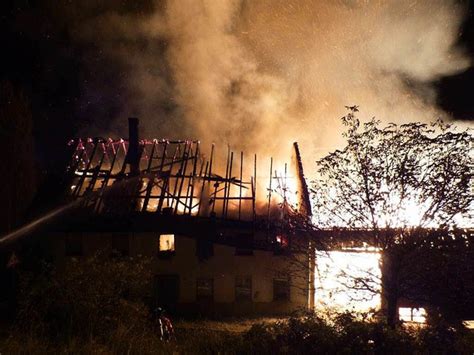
<point>217,247</point>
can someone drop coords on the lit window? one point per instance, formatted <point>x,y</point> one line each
<point>338,276</point>
<point>282,241</point>
<point>414,315</point>
<point>243,288</point>
<point>166,243</point>
<point>469,324</point>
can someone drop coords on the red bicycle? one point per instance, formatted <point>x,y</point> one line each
<point>163,324</point>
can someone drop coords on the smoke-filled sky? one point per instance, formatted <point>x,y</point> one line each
<point>256,75</point>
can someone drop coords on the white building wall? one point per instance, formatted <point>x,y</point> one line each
<point>223,267</point>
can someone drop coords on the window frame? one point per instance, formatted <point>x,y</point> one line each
<point>240,297</point>
<point>205,298</point>
<point>166,253</point>
<point>284,283</point>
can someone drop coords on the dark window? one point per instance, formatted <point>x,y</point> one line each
<point>243,288</point>
<point>73,245</point>
<point>166,291</point>
<point>281,289</point>
<point>243,251</point>
<point>245,244</point>
<point>120,245</point>
<point>205,289</point>
<point>204,249</point>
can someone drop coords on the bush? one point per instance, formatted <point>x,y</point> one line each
<point>89,297</point>
<point>97,305</point>
<point>348,333</point>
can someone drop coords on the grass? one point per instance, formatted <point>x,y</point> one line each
<point>301,335</point>
<point>192,336</point>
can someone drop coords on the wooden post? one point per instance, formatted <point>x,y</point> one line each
<point>149,187</point>
<point>241,182</point>
<point>107,177</point>
<point>225,182</point>
<point>229,184</point>
<point>184,165</point>
<point>270,189</point>
<point>191,180</point>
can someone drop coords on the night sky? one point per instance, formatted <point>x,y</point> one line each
<point>456,92</point>
<point>42,56</point>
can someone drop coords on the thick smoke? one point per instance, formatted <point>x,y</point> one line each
<point>258,75</point>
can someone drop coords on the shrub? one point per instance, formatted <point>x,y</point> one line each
<point>89,297</point>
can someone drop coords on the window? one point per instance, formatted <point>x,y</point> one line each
<point>414,315</point>
<point>245,244</point>
<point>469,324</point>
<point>166,291</point>
<point>282,240</point>
<point>166,243</point>
<point>243,251</point>
<point>281,289</point>
<point>73,245</point>
<point>120,246</point>
<point>281,244</point>
<point>204,248</point>
<point>205,289</point>
<point>243,288</point>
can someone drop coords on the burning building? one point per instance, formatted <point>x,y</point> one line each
<point>219,244</point>
<point>225,238</point>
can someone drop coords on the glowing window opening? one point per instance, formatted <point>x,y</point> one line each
<point>412,315</point>
<point>469,324</point>
<point>282,241</point>
<point>348,280</point>
<point>166,243</point>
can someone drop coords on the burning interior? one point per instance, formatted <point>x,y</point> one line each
<point>177,178</point>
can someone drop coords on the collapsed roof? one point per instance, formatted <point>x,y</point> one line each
<point>174,177</point>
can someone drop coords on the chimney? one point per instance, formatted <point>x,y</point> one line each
<point>133,154</point>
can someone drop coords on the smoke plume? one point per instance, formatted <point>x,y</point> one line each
<point>258,75</point>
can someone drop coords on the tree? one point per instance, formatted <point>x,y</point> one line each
<point>399,184</point>
<point>18,180</point>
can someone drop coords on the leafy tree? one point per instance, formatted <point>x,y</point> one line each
<point>405,186</point>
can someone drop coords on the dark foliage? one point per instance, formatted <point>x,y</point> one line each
<point>348,334</point>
